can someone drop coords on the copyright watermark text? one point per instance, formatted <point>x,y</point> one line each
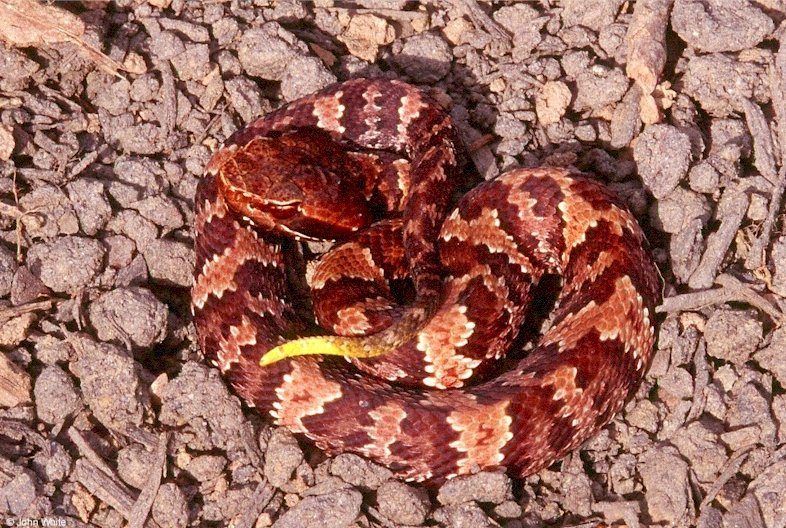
<point>17,522</point>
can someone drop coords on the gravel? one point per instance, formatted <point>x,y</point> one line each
<point>720,25</point>
<point>97,175</point>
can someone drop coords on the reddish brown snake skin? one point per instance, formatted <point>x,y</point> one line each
<point>328,166</point>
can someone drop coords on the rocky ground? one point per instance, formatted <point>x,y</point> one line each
<point>108,114</point>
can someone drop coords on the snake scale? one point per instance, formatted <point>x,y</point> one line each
<point>420,295</point>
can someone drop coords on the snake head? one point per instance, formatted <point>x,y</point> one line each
<point>283,184</point>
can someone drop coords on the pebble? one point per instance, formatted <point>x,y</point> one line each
<point>720,25</point>
<point>282,457</point>
<point>55,395</point>
<point>485,486</point>
<point>335,510</point>
<point>402,503</point>
<point>133,316</point>
<point>663,155</point>
<point>68,264</point>
<point>733,335</point>
<point>359,471</point>
<point>111,386</point>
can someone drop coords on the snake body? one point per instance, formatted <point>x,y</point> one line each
<point>373,163</point>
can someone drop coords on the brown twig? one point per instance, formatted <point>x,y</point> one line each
<point>730,469</point>
<point>731,290</point>
<point>731,209</point>
<point>481,19</point>
<point>141,509</point>
<point>646,43</point>
<point>15,311</point>
<point>765,155</point>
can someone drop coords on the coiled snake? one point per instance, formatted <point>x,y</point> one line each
<point>374,163</point>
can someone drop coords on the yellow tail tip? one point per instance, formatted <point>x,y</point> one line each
<point>321,345</point>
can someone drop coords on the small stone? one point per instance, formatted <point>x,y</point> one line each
<point>741,438</point>
<point>134,226</point>
<point>665,477</point>
<point>193,64</point>
<point>338,509</point>
<point>508,510</point>
<point>144,88</point>
<point>282,457</point>
<point>114,98</point>
<point>26,287</point>
<point>704,178</point>
<point>225,30</point>
<point>136,178</point>
<point>67,264</point>
<point>7,142</point>
<point>460,515</point>
<point>757,210</point>
<point>720,25</point>
<point>359,471</point>
<point>8,269</point>
<point>702,448</point>
<point>54,463</point>
<point>771,356</point>
<point>685,250</point>
<point>264,52</point>
<point>206,468</point>
<point>677,384</point>
<point>644,415</point>
<point>599,87</point>
<point>365,34</point>
<point>17,69</point>
<point>170,261</point>
<point>90,204</point>
<point>304,76</point>
<point>18,494</point>
<point>166,45</point>
<point>55,395</point>
<point>120,251</point>
<point>749,405</point>
<point>662,153</point>
<point>481,487</point>
<point>134,463</point>
<point>509,127</point>
<point>16,330</point>
<point>767,490</point>
<point>552,102</point>
<point>718,83</point>
<point>52,213</point>
<point>457,29</point>
<point>425,57</point>
<point>246,98</point>
<point>129,315</point>
<point>134,274</point>
<point>733,335</point>
<point>674,212</point>
<point>170,507</point>
<point>197,403</point>
<point>592,15</point>
<point>623,473</point>
<point>160,210</point>
<point>403,504</point>
<point>143,138</point>
<point>111,385</point>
